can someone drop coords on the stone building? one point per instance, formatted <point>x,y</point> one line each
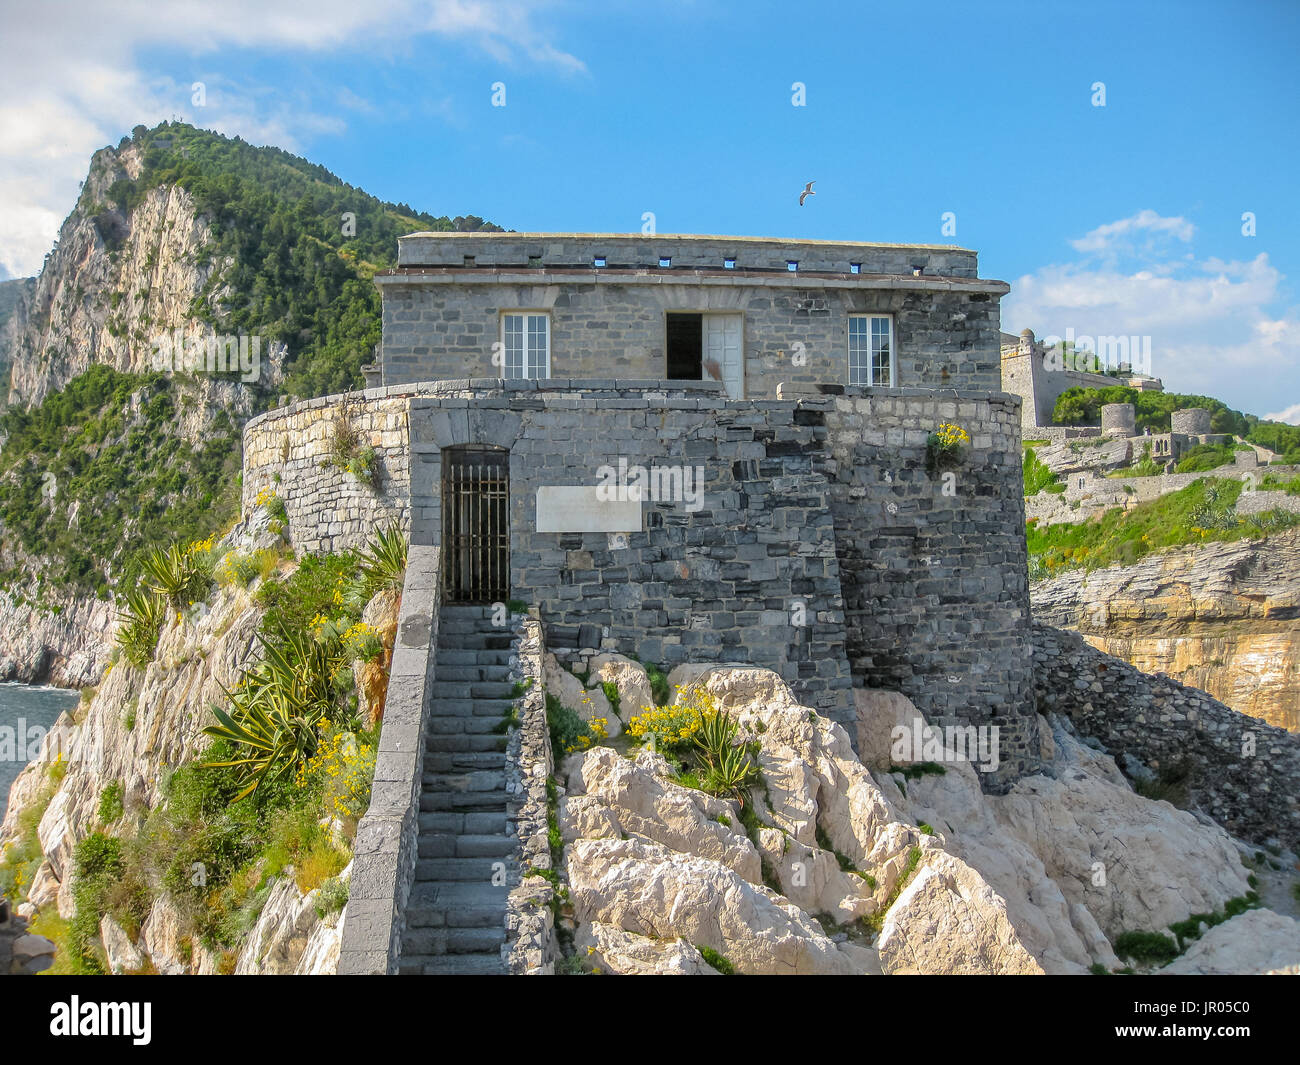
<point>1039,378</point>
<point>701,449</point>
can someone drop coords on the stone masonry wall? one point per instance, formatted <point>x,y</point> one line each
<point>287,451</point>
<point>933,567</point>
<point>751,576</point>
<point>438,327</point>
<point>623,250</point>
<point>1242,772</point>
<point>809,507</point>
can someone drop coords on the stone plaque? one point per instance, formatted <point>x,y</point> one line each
<point>581,509</point>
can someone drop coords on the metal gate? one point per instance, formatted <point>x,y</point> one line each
<point>475,524</point>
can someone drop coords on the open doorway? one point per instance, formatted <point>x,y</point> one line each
<point>703,347</point>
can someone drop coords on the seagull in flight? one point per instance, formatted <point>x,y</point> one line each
<point>807,191</point>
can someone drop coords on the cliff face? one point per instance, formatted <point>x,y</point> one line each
<point>116,280</point>
<point>65,642</point>
<point>1224,618</point>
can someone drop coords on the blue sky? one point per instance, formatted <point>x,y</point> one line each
<point>1122,219</point>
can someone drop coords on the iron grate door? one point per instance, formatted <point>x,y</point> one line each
<point>475,524</point>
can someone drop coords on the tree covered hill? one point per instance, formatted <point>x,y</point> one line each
<point>1082,406</point>
<point>101,460</point>
<point>305,246</point>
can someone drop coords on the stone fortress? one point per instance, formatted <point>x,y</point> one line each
<point>1090,459</point>
<point>688,451</point>
<point>783,392</point>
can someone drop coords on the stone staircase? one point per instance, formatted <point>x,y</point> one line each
<point>455,917</point>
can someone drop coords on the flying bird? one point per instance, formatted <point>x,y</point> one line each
<point>807,191</point>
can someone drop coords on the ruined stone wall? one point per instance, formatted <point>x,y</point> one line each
<point>1241,771</point>
<point>932,566</point>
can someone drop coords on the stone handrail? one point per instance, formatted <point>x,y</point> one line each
<point>383,863</point>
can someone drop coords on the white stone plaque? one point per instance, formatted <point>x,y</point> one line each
<point>580,509</point>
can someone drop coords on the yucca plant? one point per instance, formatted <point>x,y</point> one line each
<point>277,710</point>
<point>731,773</point>
<point>729,769</point>
<point>715,734</point>
<point>382,562</point>
<point>272,735</point>
<point>176,575</point>
<point>141,622</point>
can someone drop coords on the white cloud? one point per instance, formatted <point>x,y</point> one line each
<point>74,79</point>
<point>1291,415</point>
<point>1215,324</point>
<point>1114,236</point>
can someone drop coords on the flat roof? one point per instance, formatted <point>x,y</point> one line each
<point>482,235</point>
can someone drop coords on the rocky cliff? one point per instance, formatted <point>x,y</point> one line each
<point>860,866</point>
<point>136,728</point>
<point>1222,617</point>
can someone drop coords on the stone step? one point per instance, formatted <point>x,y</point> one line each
<point>445,707</point>
<point>453,965</point>
<point>462,761</point>
<point>475,641</point>
<point>461,741</point>
<point>474,870</point>
<point>482,823</point>
<point>456,624</point>
<point>444,723</point>
<point>469,780</point>
<point>462,801</point>
<point>448,845</point>
<point>448,672</point>
<point>440,941</point>
<point>472,689</point>
<point>455,656</point>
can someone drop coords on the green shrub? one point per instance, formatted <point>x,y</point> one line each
<point>716,960</point>
<point>1038,476</point>
<point>1148,948</point>
<point>110,803</point>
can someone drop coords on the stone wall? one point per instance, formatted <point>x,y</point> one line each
<point>442,307</point>
<point>751,575</point>
<point>384,854</point>
<point>531,947</point>
<point>624,250</point>
<point>932,564</point>
<point>1242,772</point>
<point>288,452</point>
<point>808,505</point>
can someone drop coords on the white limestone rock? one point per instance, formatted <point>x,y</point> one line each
<point>634,692</point>
<point>643,803</point>
<point>122,954</point>
<point>645,888</point>
<point>1252,943</point>
<point>948,920</point>
<point>161,939</point>
<point>607,949</point>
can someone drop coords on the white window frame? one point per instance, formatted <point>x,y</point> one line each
<point>527,362</point>
<point>867,380</point>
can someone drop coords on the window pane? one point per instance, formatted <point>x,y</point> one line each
<point>538,337</point>
<point>513,335</point>
<point>881,345</point>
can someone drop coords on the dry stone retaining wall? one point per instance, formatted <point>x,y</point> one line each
<point>1242,772</point>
